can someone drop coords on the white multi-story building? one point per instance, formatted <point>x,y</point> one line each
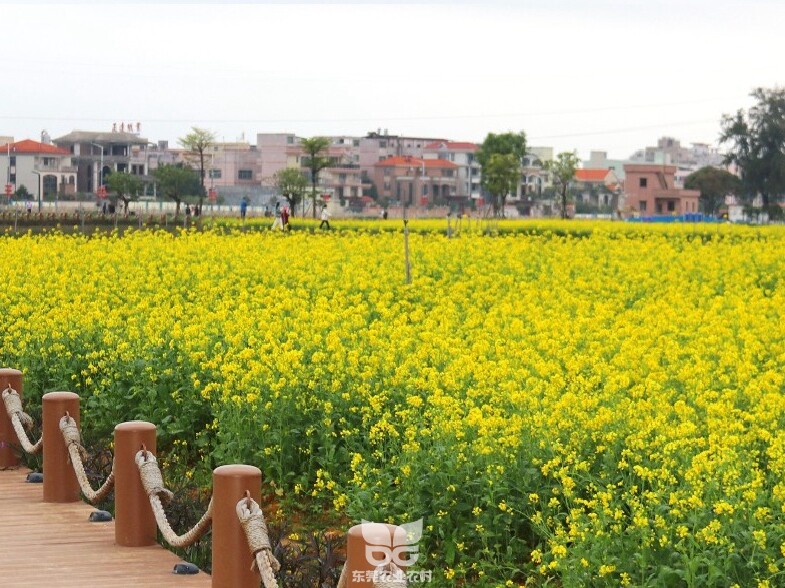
<point>46,171</point>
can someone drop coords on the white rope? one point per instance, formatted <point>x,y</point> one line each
<point>20,420</point>
<point>153,483</point>
<point>342,580</point>
<point>253,523</point>
<point>77,453</point>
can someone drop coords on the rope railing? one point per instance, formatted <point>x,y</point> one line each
<point>252,520</point>
<point>248,513</point>
<point>78,453</point>
<point>153,483</point>
<point>236,519</point>
<point>20,420</point>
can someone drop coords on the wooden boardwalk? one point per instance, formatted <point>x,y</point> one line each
<point>53,545</point>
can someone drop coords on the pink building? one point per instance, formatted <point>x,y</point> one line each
<point>650,190</point>
<point>412,180</point>
<point>232,164</point>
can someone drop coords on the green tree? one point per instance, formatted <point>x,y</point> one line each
<point>757,144</point>
<point>197,142</point>
<point>125,187</point>
<point>177,182</point>
<point>714,184</point>
<point>562,170</point>
<point>500,157</point>
<point>500,176</point>
<point>315,160</point>
<point>22,193</point>
<point>291,184</point>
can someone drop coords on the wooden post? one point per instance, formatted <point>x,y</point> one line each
<point>232,558</point>
<point>8,440</point>
<point>60,483</point>
<point>134,519</point>
<point>366,546</point>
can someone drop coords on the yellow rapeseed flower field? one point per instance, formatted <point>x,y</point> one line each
<point>585,404</point>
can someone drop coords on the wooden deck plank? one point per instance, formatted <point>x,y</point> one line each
<point>45,544</point>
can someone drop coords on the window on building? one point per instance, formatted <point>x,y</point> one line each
<point>671,206</point>
<point>383,144</point>
<point>447,173</point>
<point>245,174</point>
<point>642,205</point>
<point>12,161</point>
<point>12,178</point>
<point>387,171</point>
<point>341,177</point>
<point>290,140</point>
<point>643,182</point>
<point>214,173</point>
<point>356,142</point>
<point>386,186</point>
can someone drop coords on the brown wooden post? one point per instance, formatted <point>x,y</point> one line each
<point>60,484</point>
<point>8,440</point>
<point>134,520</point>
<point>232,558</point>
<point>367,545</point>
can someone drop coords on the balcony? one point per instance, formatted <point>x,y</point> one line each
<point>55,168</point>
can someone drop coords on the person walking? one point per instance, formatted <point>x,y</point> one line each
<point>278,222</point>
<point>325,218</point>
<point>285,218</point>
<point>243,208</point>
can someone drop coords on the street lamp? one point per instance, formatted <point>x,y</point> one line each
<point>100,176</point>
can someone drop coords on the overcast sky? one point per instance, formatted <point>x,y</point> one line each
<point>610,75</point>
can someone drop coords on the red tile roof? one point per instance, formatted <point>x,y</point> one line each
<point>29,146</point>
<point>453,146</point>
<point>591,174</point>
<point>413,161</point>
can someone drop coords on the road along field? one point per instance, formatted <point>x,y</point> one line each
<point>562,404</point>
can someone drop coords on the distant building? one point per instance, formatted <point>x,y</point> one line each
<point>44,170</point>
<point>597,186</point>
<point>650,190</point>
<point>232,164</point>
<point>103,153</point>
<point>534,177</point>
<point>463,155</point>
<point>599,159</point>
<point>341,179</point>
<point>687,160</point>
<point>414,181</point>
<point>380,145</point>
